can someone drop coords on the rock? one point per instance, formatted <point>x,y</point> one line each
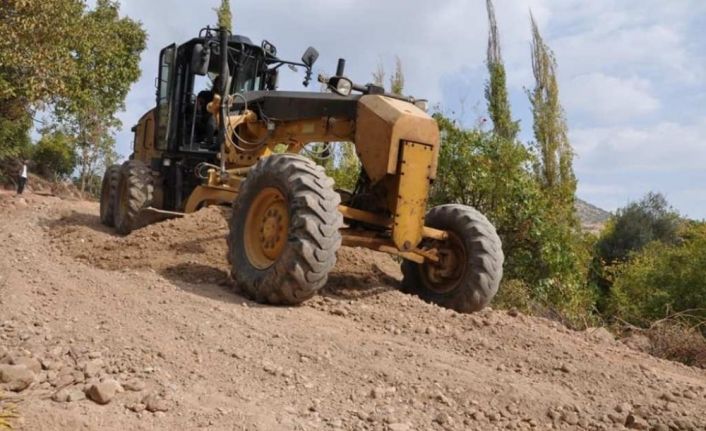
<point>689,395</point>
<point>137,407</point>
<point>443,399</point>
<point>135,385</point>
<point>103,392</point>
<point>381,392</point>
<point>668,397</point>
<point>600,334</point>
<point>636,423</point>
<point>75,395</point>
<point>154,403</point>
<point>565,368</point>
<point>443,419</point>
<point>339,312</point>
<point>570,418</point>
<point>397,426</point>
<point>93,368</point>
<point>623,408</point>
<point>63,380</point>
<point>17,377</point>
<point>33,364</point>
<point>638,342</point>
<point>61,396</point>
<point>616,418</point>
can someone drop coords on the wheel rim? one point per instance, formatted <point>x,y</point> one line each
<point>266,228</point>
<point>444,276</point>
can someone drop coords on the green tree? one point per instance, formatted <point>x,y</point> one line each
<point>225,16</point>
<point>35,60</point>
<point>631,229</point>
<point>496,88</point>
<point>555,163</point>
<point>55,155</point>
<point>107,59</point>
<point>636,225</point>
<point>37,40</point>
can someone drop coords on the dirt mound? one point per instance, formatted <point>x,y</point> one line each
<point>193,248</point>
<point>144,324</point>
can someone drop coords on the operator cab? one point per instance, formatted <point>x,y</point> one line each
<point>184,136</point>
<point>189,71</point>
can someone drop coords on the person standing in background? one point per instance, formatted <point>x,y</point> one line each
<point>23,178</point>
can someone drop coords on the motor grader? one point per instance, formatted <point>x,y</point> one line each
<point>288,219</point>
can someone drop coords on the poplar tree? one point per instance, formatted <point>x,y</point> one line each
<point>496,87</point>
<point>379,74</point>
<point>225,16</point>
<point>555,156</point>
<point>397,78</point>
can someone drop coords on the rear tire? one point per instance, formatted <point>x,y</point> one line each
<point>134,193</point>
<point>284,232</point>
<point>108,190</point>
<point>471,268</point>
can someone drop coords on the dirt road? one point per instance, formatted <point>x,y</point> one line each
<point>150,325</point>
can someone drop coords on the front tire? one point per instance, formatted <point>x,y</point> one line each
<point>134,193</point>
<point>284,232</point>
<point>108,190</point>
<point>471,261</point>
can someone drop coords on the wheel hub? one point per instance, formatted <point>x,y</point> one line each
<point>266,228</point>
<point>443,276</point>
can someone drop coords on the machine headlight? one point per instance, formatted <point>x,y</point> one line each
<point>422,104</point>
<point>344,86</point>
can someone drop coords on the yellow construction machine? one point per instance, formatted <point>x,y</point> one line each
<point>240,145</point>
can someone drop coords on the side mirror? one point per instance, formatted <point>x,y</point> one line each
<point>200,59</point>
<point>310,56</point>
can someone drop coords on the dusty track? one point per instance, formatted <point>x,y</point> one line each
<point>89,306</point>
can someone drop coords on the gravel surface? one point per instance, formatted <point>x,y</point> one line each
<point>148,332</point>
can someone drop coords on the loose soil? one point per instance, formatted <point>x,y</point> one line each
<point>152,326</point>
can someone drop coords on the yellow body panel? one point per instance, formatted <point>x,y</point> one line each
<point>144,137</point>
<point>414,178</point>
<point>382,124</point>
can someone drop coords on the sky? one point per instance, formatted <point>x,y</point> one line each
<point>632,73</point>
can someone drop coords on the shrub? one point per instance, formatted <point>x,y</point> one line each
<point>678,341</point>
<point>663,279</point>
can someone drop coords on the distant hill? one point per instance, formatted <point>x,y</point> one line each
<point>592,218</point>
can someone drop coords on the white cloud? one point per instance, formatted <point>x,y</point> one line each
<point>665,147</point>
<point>596,97</point>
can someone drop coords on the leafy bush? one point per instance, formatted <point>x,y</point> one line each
<point>55,155</point>
<point>662,279</point>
